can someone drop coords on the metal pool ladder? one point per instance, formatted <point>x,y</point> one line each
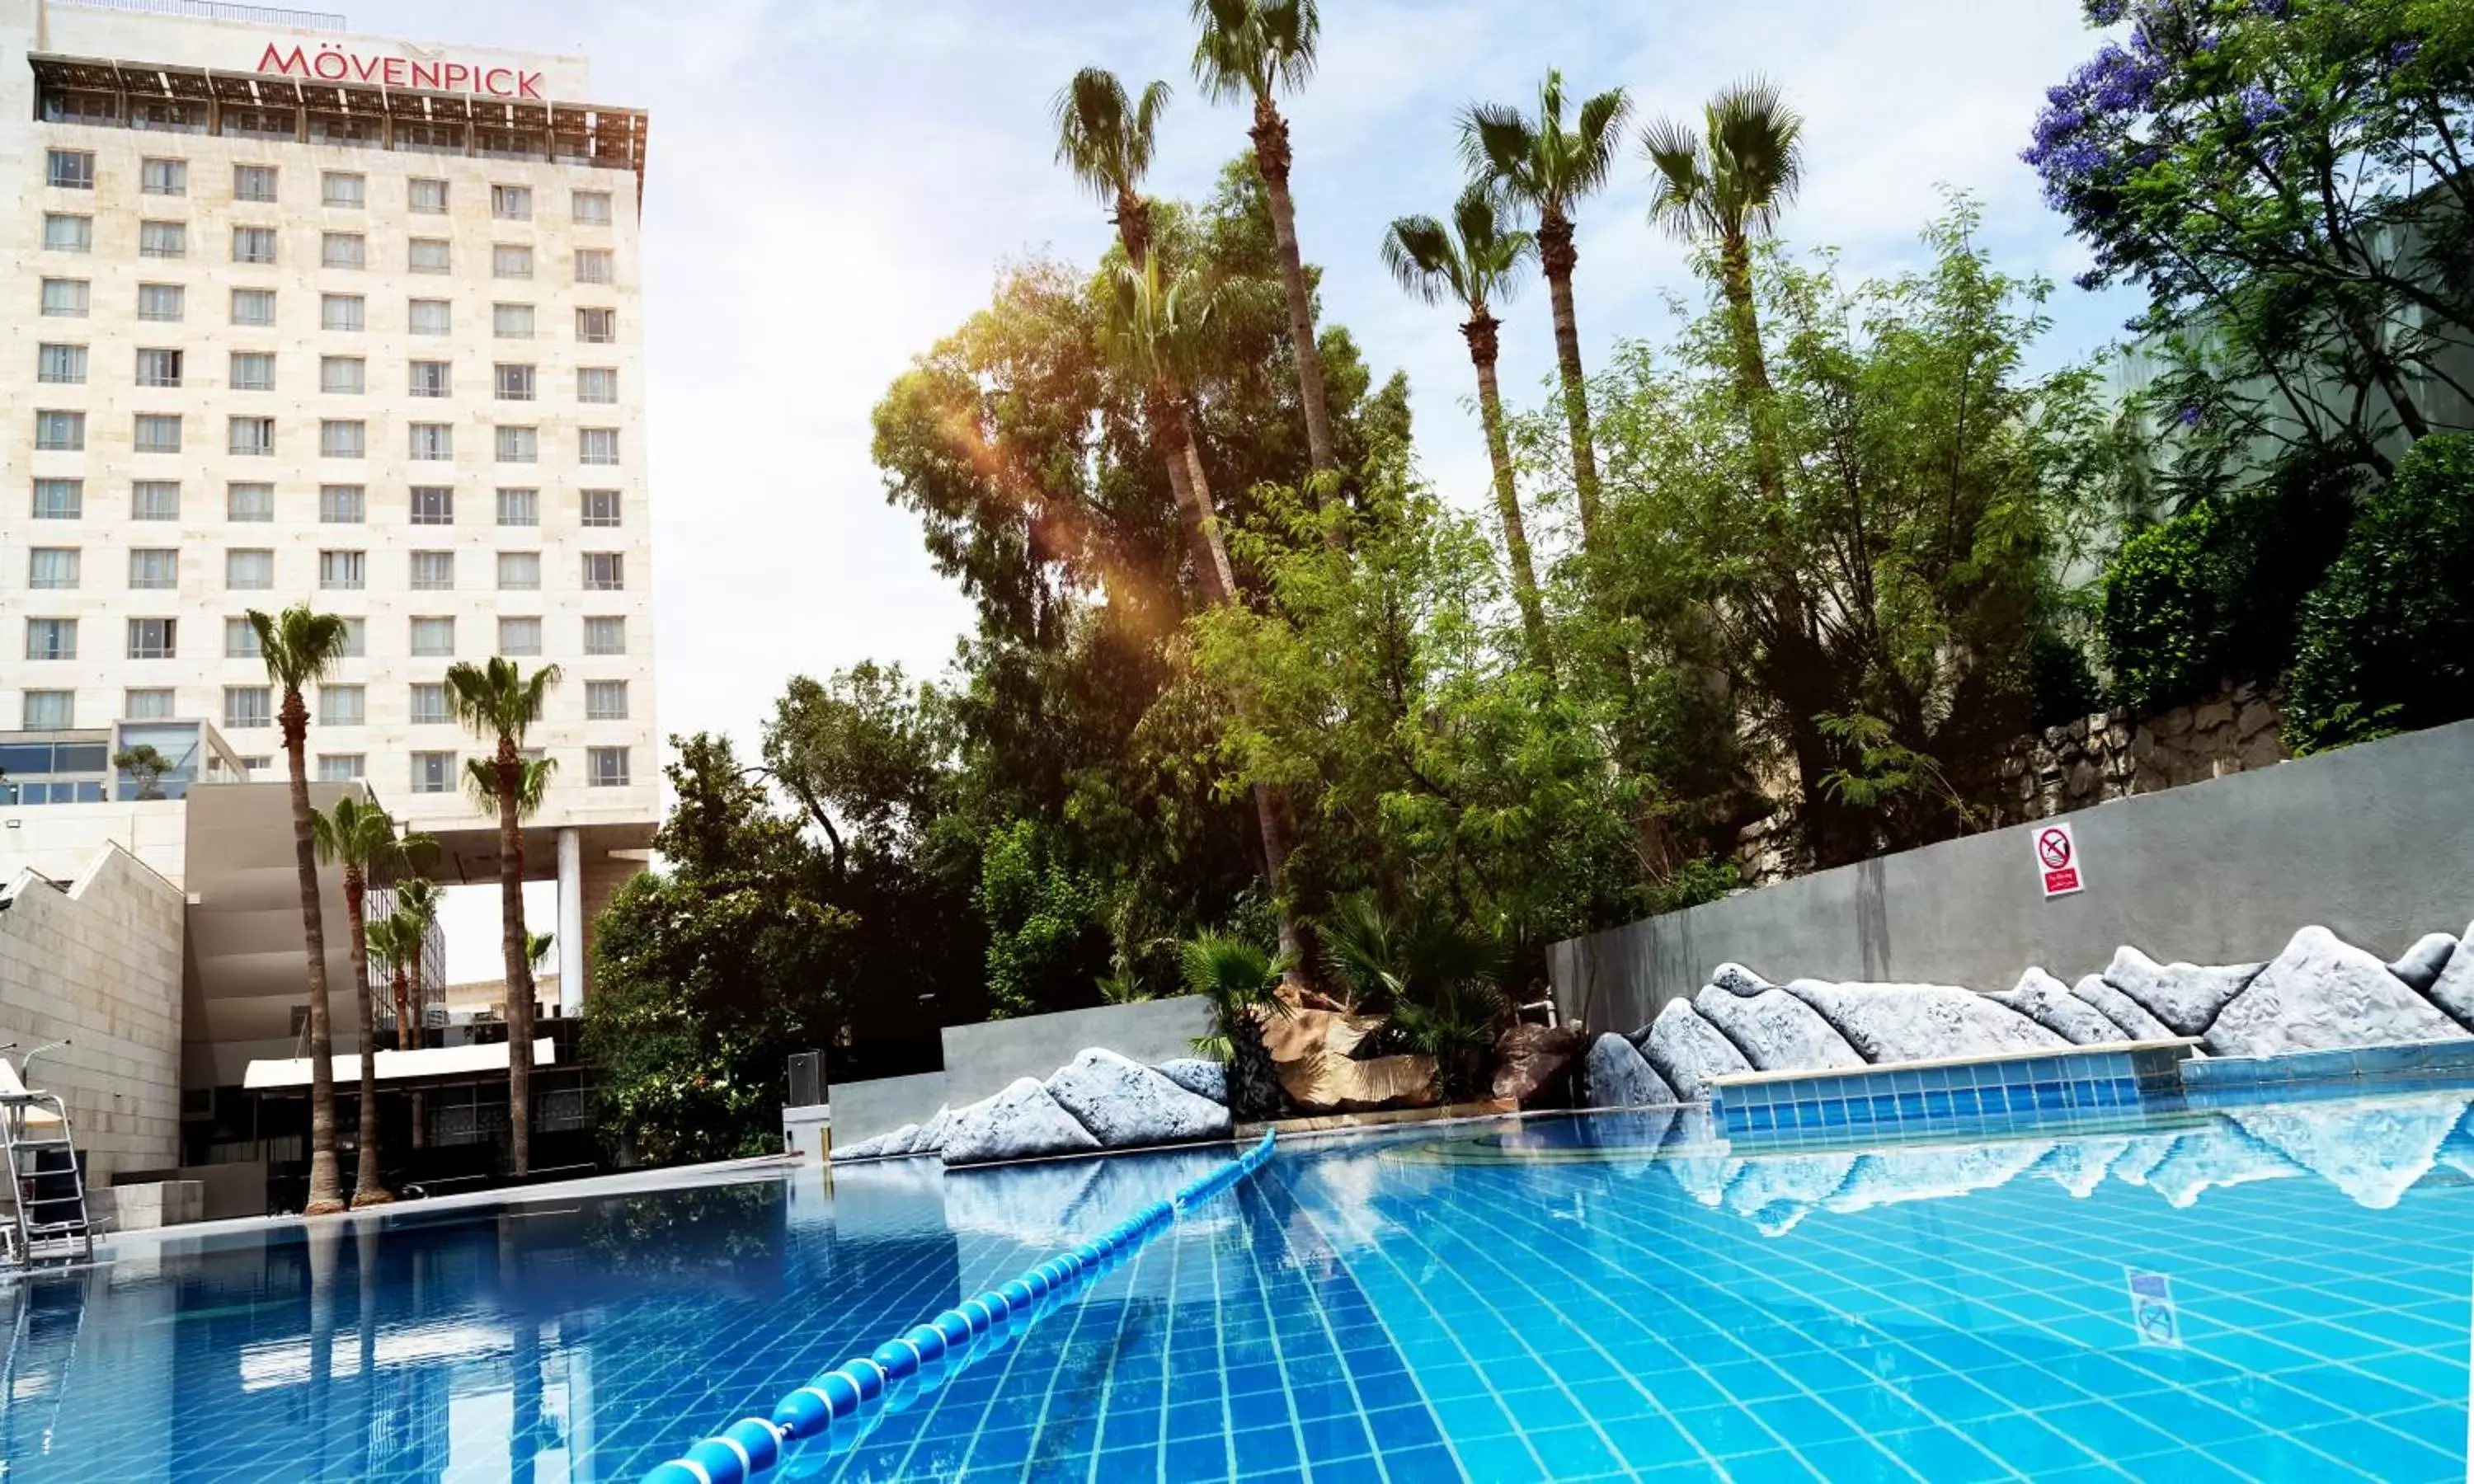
<point>48,1224</point>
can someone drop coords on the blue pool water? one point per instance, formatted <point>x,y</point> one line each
<point>2268,1291</point>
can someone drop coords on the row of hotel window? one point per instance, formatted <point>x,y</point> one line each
<point>338,376</point>
<point>169,241</point>
<point>249,706</point>
<point>432,637</point>
<point>160,499</point>
<point>167,303</point>
<point>73,170</point>
<point>154,568</point>
<point>338,437</point>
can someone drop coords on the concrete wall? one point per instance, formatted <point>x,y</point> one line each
<point>2376,841</point>
<point>863,1110</point>
<point>99,964</point>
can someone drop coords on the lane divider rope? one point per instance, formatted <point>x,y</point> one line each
<point>847,1400</point>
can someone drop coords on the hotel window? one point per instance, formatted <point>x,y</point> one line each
<point>511,202</point>
<point>157,432</point>
<point>253,244</point>
<point>253,370</point>
<point>159,368</point>
<point>342,767</point>
<point>69,233</point>
<point>434,773</point>
<point>511,322</point>
<point>341,312</point>
<point>433,571</point>
<point>154,638</point>
<point>69,170</point>
<point>51,638</point>
<point>342,706</point>
<point>250,504</point>
<point>605,700</point>
<point>429,317</point>
<point>162,239</point>
<point>605,572</point>
<point>596,445</point>
<point>429,703</point>
<point>61,365</point>
<point>343,439</point>
<point>163,177</point>
<point>601,507</point>
<point>596,326</point>
<point>253,306</point>
<point>596,384</point>
<point>518,571</point>
<point>154,499</point>
<point>518,446</point>
<point>432,378</point>
<point>59,499</point>
<point>341,189</point>
<point>52,567</point>
<point>433,638</point>
<point>342,504</point>
<point>433,505</point>
<point>344,250</point>
<point>605,767</point>
<point>593,207</point>
<point>520,507</point>
<point>427,196</point>
<point>50,710</point>
<point>151,703</point>
<point>62,431</point>
<point>605,635</point>
<point>343,571</point>
<point>595,264</point>
<point>432,442</point>
<point>153,567</point>
<point>253,437</point>
<point>518,637</point>
<point>430,256</point>
<point>159,301</point>
<point>356,637</point>
<point>65,297</point>
<point>515,383</point>
<point>253,183</point>
<point>249,570</point>
<point>240,640</point>
<point>510,260</point>
<point>343,375</point>
<point>248,707</point>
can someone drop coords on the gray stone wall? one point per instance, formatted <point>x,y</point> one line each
<point>2112,754</point>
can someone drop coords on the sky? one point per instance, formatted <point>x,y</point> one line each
<point>835,184</point>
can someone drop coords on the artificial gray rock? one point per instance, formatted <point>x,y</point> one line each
<point>2323,994</point>
<point>1776,1031</point>
<point>1126,1104</point>
<point>2185,996</point>
<point>2454,989</point>
<point>1688,1051</point>
<point>2050,1003</point>
<point>1736,979</point>
<point>2373,1152</point>
<point>930,1138</point>
<point>889,1145</point>
<point>2421,965</point>
<point>2136,1023</point>
<point>1922,1022</point>
<point>1022,1122</point>
<point>1616,1075</point>
<point>1201,1078</point>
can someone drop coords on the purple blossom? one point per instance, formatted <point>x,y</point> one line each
<point>2259,106</point>
<point>2106,12</point>
<point>2188,416</point>
<point>2401,54</point>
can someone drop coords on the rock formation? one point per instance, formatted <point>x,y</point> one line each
<point>1688,1051</point>
<point>1773,1030</point>
<point>1532,1062</point>
<point>2320,994</point>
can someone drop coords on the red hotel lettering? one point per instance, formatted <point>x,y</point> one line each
<point>528,84</point>
<point>391,72</point>
<point>493,82</point>
<point>342,69</point>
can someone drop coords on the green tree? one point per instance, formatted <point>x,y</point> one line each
<point>1239,981</point>
<point>401,938</point>
<point>145,766</point>
<point>1104,138</point>
<point>498,703</point>
<point>363,838</point>
<point>300,647</point>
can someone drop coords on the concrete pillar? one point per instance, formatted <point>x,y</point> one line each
<point>570,922</point>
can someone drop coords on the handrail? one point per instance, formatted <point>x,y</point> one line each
<point>851,1396</point>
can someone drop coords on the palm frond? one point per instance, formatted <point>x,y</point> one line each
<point>1249,49</point>
<point>1424,260</point>
<point>298,645</point>
<point>532,782</point>
<point>1104,137</point>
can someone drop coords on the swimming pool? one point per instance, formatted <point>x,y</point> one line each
<point>2273,1290</point>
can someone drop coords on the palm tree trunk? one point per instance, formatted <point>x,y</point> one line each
<point>1480,332</point>
<point>1270,134</point>
<point>325,1179</point>
<point>404,1041</point>
<point>1752,367</point>
<point>520,970</point>
<point>1557,257</point>
<point>368,1188</point>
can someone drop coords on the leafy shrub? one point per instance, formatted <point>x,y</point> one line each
<point>2061,687</point>
<point>2387,639</point>
<point>2161,622</point>
<point>1695,882</point>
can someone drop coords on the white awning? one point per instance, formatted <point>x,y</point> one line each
<point>396,1066</point>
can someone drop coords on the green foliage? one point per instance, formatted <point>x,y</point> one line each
<point>2388,637</point>
<point>1456,1024</point>
<point>2062,684</point>
<point>1696,884</point>
<point>2162,625</point>
<point>1045,934</point>
<point>1237,978</point>
<point>145,764</point>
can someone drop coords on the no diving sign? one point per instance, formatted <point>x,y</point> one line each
<point>2057,861</point>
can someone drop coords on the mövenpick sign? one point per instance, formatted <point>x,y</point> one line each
<point>331,63</point>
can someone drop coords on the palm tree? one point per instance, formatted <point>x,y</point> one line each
<point>1104,138</point>
<point>362,836</point>
<point>1239,983</point>
<point>1723,185</point>
<point>300,647</point>
<point>401,938</point>
<point>1548,169</point>
<point>498,703</point>
<point>1249,50</point>
<point>1472,262</point>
